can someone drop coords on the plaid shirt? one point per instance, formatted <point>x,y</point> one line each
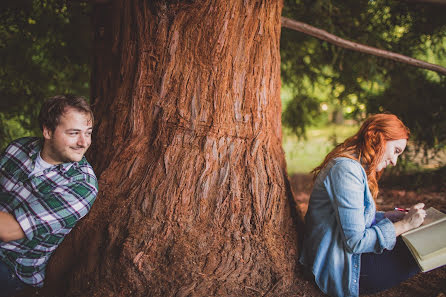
<point>46,205</point>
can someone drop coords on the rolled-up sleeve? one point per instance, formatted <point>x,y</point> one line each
<point>345,184</point>
<point>380,215</point>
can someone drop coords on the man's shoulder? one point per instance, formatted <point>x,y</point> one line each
<point>26,141</point>
<point>25,144</point>
<point>20,151</point>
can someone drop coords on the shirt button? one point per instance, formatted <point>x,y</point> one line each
<point>356,266</point>
<point>354,281</point>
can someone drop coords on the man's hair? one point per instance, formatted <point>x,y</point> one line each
<point>53,108</point>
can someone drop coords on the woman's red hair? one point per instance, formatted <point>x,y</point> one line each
<point>368,144</point>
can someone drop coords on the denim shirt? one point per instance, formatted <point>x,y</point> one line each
<point>340,224</point>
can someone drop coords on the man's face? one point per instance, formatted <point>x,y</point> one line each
<point>70,140</point>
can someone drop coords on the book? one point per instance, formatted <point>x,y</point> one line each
<point>427,243</point>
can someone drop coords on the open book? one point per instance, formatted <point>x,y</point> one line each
<point>427,243</point>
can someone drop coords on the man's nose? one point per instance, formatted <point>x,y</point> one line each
<point>81,140</point>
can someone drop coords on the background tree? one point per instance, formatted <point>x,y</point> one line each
<point>45,48</point>
<point>362,82</point>
<point>194,198</point>
<point>194,195</point>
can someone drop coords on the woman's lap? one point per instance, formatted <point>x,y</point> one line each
<point>383,271</point>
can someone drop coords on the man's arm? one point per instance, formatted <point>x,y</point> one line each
<point>9,228</point>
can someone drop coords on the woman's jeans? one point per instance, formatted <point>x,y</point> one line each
<point>9,282</point>
<point>383,271</point>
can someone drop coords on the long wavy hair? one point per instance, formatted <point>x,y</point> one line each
<point>367,146</point>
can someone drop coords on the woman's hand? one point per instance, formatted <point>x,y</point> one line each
<point>413,219</point>
<point>395,215</point>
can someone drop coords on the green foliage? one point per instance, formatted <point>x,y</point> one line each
<point>44,51</point>
<point>303,155</point>
<point>420,102</point>
<point>357,83</point>
<point>302,109</point>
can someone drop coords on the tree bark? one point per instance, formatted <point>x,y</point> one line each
<point>194,196</point>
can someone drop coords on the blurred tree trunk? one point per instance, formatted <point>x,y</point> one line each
<point>338,116</point>
<point>194,197</point>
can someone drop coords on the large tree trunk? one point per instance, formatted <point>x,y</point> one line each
<point>194,197</point>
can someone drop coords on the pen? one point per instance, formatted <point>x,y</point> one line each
<point>401,209</point>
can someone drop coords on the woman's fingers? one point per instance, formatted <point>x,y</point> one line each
<point>416,215</point>
<point>418,205</point>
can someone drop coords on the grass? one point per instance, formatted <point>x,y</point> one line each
<point>302,155</point>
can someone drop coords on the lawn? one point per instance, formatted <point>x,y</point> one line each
<point>302,155</point>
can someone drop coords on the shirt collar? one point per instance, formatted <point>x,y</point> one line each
<point>35,149</point>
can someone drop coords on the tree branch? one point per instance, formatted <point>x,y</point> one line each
<point>440,2</point>
<point>324,35</point>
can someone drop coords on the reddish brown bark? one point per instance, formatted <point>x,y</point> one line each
<point>194,197</point>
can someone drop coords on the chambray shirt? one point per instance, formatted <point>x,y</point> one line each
<point>47,205</point>
<point>340,224</point>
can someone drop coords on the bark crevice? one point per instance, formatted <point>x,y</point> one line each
<point>194,197</point>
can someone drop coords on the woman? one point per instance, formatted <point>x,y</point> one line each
<point>348,246</point>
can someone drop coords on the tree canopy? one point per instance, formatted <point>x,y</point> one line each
<point>318,72</point>
<point>45,50</point>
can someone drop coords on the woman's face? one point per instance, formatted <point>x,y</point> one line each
<point>394,148</point>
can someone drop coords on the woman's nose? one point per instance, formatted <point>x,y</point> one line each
<point>394,160</point>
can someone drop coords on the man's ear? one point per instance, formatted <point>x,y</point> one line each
<point>47,133</point>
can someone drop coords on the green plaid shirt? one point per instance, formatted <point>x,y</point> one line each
<point>47,205</point>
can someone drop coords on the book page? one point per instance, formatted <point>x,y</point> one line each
<point>432,262</point>
<point>428,239</point>
<point>432,215</point>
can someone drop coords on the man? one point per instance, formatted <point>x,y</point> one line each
<point>46,187</point>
